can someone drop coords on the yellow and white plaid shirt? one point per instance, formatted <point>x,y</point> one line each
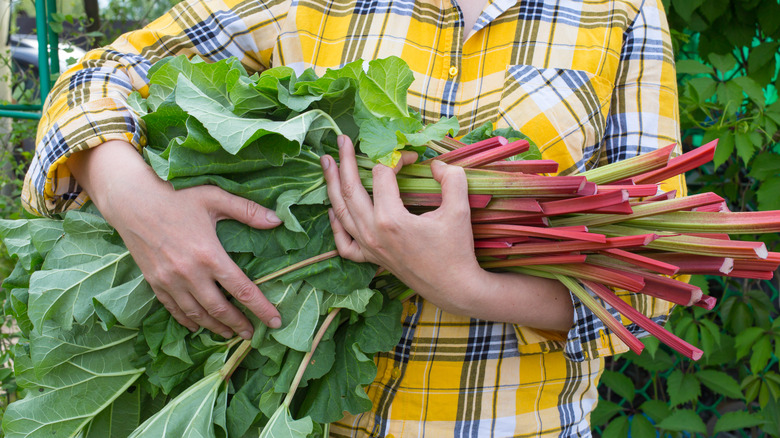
<point>590,82</point>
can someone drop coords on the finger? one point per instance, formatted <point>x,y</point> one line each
<point>170,305</point>
<point>195,312</point>
<point>345,244</point>
<point>233,279</point>
<point>454,188</point>
<point>333,180</point>
<point>355,196</point>
<point>218,307</point>
<point>387,197</point>
<point>407,157</point>
<point>228,206</point>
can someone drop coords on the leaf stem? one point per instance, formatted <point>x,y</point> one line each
<point>235,359</point>
<point>294,266</point>
<point>305,362</point>
<point>335,126</point>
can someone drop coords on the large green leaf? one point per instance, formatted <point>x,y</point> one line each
<point>383,90</point>
<point>84,373</point>
<point>189,415</point>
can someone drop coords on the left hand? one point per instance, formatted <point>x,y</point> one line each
<point>432,253</point>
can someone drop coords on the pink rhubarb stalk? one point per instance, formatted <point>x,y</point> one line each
<point>630,167</point>
<point>681,164</point>
<point>643,321</point>
<point>468,150</point>
<point>494,154</point>
<point>641,261</point>
<point>603,314</point>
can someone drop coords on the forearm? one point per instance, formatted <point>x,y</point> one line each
<point>508,297</point>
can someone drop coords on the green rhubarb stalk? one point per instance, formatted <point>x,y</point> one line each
<point>642,211</point>
<point>673,242</point>
<point>294,266</point>
<point>305,361</point>
<point>745,222</point>
<point>640,164</point>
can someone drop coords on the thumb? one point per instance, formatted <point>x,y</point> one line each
<point>454,187</point>
<point>225,205</point>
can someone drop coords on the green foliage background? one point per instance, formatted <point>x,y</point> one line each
<point>727,65</point>
<point>727,62</point>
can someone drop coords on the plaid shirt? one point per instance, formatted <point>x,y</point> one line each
<point>590,82</point>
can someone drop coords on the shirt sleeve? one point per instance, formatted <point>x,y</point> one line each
<point>88,106</point>
<point>643,117</point>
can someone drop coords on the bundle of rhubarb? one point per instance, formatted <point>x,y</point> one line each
<point>607,228</point>
<point>94,331</point>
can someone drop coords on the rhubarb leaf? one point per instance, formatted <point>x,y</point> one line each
<point>298,331</point>
<point>97,367</point>
<point>189,415</point>
<point>383,89</point>
<point>282,425</point>
<point>119,419</point>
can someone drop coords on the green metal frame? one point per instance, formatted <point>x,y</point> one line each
<point>48,61</point>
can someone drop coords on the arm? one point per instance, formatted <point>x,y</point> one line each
<point>171,235</point>
<point>434,253</point>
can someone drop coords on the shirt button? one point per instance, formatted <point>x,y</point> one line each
<point>412,309</point>
<point>390,436</point>
<point>396,372</point>
<point>453,71</point>
<point>142,141</point>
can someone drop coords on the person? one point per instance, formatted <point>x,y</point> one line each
<point>482,354</point>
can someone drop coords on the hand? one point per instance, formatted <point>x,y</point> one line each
<point>172,237</point>
<point>432,253</point>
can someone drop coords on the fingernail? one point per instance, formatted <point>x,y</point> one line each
<point>331,215</point>
<point>340,140</point>
<point>227,334</point>
<point>271,217</point>
<point>246,334</point>
<point>325,161</point>
<point>437,163</point>
<point>275,322</point>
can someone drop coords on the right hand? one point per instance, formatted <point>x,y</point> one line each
<point>171,235</point>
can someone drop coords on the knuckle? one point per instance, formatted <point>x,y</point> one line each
<point>387,223</point>
<point>341,212</point>
<point>348,190</point>
<point>195,314</point>
<point>245,292</point>
<point>219,310</point>
<point>252,209</point>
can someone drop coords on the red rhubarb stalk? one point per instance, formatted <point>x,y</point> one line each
<point>434,200</point>
<point>531,261</point>
<point>469,150</point>
<point>641,261</point>
<point>681,164</point>
<point>501,230</point>
<point>584,203</point>
<point>643,321</point>
<point>523,166</point>
<point>515,204</point>
<point>613,324</point>
<point>494,154</point>
<point>569,246</point>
